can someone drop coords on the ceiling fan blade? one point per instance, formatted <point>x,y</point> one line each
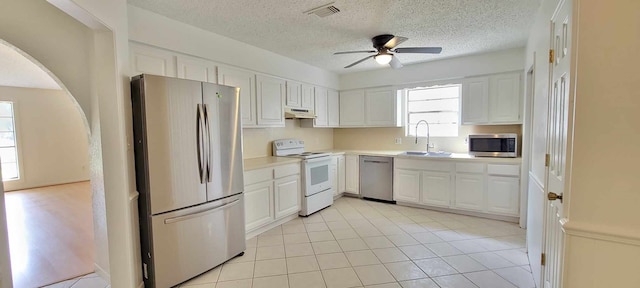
<point>395,41</point>
<point>353,52</point>
<point>395,63</point>
<point>359,61</point>
<point>426,50</point>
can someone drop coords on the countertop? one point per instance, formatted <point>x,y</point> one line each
<point>397,154</point>
<point>270,161</point>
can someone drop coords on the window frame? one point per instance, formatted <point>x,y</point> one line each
<point>405,111</point>
<point>16,135</point>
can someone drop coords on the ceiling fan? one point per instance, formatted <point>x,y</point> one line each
<point>385,47</point>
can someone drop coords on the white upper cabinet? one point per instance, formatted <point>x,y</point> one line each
<point>333,108</point>
<point>246,81</point>
<point>196,69</point>
<point>352,108</point>
<point>321,106</point>
<point>475,100</point>
<point>294,94</point>
<point>149,60</point>
<point>504,99</point>
<point>368,108</point>
<point>380,107</point>
<point>492,100</point>
<point>271,94</point>
<point>307,99</point>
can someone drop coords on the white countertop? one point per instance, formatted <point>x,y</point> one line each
<point>397,154</point>
<point>269,161</point>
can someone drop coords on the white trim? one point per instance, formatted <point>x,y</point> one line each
<point>102,273</point>
<point>512,219</point>
<point>258,231</point>
<point>598,232</point>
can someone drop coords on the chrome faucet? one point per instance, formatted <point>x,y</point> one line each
<point>417,124</point>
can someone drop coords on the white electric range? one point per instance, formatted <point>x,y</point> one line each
<point>316,176</point>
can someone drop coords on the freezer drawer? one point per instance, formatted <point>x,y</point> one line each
<point>191,241</point>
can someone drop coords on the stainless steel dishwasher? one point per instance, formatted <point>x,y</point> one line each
<point>376,178</point>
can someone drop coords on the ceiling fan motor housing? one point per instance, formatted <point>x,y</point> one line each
<point>380,40</point>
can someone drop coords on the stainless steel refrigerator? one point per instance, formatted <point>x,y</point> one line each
<point>189,173</point>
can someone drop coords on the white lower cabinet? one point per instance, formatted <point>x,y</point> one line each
<point>271,194</point>
<point>470,191</point>
<point>436,188</point>
<point>287,195</point>
<point>333,170</point>
<point>258,207</point>
<point>406,185</point>
<point>352,174</point>
<point>456,184</point>
<point>342,178</point>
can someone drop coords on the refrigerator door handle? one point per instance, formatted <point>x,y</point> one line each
<point>199,141</point>
<point>208,143</point>
<point>201,213</point>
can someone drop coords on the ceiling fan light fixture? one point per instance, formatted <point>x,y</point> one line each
<point>383,59</point>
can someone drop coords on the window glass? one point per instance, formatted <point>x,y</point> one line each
<point>438,105</point>
<point>8,149</point>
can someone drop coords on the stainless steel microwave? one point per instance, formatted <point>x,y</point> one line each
<point>494,145</point>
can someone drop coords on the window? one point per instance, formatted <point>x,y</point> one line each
<point>438,105</point>
<point>8,150</point>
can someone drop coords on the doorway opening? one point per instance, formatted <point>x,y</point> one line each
<point>44,156</point>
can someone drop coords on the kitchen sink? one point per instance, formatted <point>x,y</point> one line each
<point>427,154</point>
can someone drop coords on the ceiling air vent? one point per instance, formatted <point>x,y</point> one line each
<point>324,10</point>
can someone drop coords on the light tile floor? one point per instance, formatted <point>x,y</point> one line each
<point>358,243</point>
<point>87,281</point>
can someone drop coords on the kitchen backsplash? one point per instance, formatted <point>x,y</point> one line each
<point>384,138</point>
<point>257,142</point>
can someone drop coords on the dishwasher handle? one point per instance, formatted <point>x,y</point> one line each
<point>375,161</point>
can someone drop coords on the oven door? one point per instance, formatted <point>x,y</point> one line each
<point>316,175</point>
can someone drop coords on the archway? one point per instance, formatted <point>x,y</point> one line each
<point>59,97</point>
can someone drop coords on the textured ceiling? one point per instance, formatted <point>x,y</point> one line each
<point>18,71</point>
<point>461,27</point>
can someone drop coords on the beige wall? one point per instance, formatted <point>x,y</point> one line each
<point>52,139</point>
<point>384,138</point>
<point>257,142</point>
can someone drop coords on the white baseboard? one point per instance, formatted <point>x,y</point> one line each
<point>513,219</point>
<point>102,273</point>
<point>258,231</point>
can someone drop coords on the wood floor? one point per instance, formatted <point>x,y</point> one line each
<point>50,233</point>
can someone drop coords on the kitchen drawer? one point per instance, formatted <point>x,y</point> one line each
<point>286,170</point>
<point>499,169</point>
<point>443,166</point>
<point>257,176</point>
<point>470,167</point>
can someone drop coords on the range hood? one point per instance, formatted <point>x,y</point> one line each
<point>298,113</point>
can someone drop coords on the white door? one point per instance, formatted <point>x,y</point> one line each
<point>258,204</point>
<point>287,195</point>
<point>352,174</point>
<point>436,188</point>
<point>246,81</point>
<point>196,69</point>
<point>557,143</point>
<point>341,174</point>
<point>307,99</point>
<point>475,100</point>
<point>271,94</point>
<point>321,107</point>
<point>470,191</point>
<point>380,107</point>
<point>406,186</point>
<point>333,108</point>
<point>352,108</point>
<point>294,94</point>
<point>502,195</point>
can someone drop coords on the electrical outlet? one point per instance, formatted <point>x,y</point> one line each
<point>398,140</point>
